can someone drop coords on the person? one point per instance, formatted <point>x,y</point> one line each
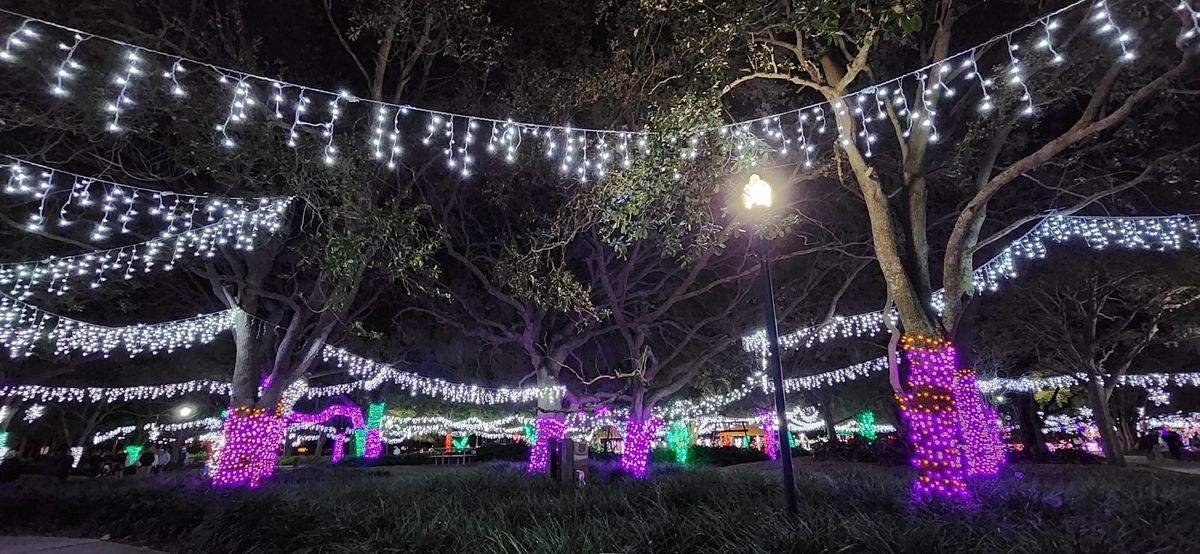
<point>164,458</point>
<point>185,458</point>
<point>61,462</point>
<point>1174,443</point>
<point>145,462</point>
<point>1194,442</point>
<point>1146,445</point>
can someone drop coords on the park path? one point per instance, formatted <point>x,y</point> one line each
<point>63,545</point>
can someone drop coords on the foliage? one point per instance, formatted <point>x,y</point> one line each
<point>845,507</point>
<point>886,450</point>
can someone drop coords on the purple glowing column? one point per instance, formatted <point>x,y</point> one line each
<point>550,427</point>
<point>932,422</point>
<point>770,431</point>
<point>339,448</point>
<point>635,452</point>
<point>981,439</point>
<point>250,447</point>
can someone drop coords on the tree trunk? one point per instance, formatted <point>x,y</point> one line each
<point>640,429</point>
<point>1030,424</point>
<point>826,408</point>
<point>1104,421</point>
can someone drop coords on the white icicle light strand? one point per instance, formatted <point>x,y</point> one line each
<point>22,326</point>
<point>237,227</point>
<point>581,153</point>
<point>119,205</point>
<point>1155,233</point>
<point>373,374</point>
<point>112,394</point>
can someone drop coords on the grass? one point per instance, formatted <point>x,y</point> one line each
<point>845,507</point>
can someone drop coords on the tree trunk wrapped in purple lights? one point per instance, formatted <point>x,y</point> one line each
<point>339,448</point>
<point>933,425</point>
<point>635,452</point>
<point>251,446</point>
<point>981,440</point>
<point>770,432</point>
<point>549,427</point>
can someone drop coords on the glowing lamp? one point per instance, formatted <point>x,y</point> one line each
<point>757,193</point>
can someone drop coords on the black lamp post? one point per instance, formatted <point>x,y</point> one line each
<point>757,196</point>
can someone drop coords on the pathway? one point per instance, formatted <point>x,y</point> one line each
<point>63,545</point>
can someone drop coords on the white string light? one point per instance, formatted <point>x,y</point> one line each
<point>155,430</point>
<point>1153,233</point>
<point>34,412</point>
<point>373,374</point>
<point>581,152</point>
<point>141,206</point>
<point>237,226</point>
<point>23,325</point>
<point>112,394</point>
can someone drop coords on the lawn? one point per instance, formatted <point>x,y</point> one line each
<point>845,507</point>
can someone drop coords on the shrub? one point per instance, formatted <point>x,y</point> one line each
<point>884,450</point>
<point>723,455</point>
<point>509,452</point>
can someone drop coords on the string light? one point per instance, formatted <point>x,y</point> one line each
<point>866,424</point>
<point>156,429</point>
<point>238,226</point>
<point>17,39</point>
<point>374,445</point>
<point>679,439</point>
<point>635,452</point>
<point>1191,16</point>
<point>981,436</point>
<point>67,67</point>
<point>579,152</point>
<point>34,413</point>
<point>550,427</point>
<point>112,394</point>
<point>1152,233</point>
<point>929,412</point>
<point>375,374</point>
<point>352,413</point>
<point>770,432</point>
<point>249,449</point>
<point>339,448</point>
<point>1103,18</point>
<point>132,453</point>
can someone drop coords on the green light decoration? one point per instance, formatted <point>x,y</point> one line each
<point>375,415</point>
<point>791,440</point>
<point>460,443</point>
<point>679,438</point>
<point>3,444</point>
<point>866,424</point>
<point>360,442</point>
<point>530,433</point>
<point>132,453</point>
<point>745,441</point>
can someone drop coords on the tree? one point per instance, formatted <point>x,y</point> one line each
<point>833,48</point>
<point>1096,318</point>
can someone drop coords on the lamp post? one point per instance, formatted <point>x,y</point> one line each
<point>757,196</point>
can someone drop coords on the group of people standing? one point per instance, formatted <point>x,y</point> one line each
<point>1154,442</point>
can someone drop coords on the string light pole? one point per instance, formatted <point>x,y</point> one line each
<point>756,198</point>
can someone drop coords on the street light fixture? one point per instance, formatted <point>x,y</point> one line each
<point>186,411</point>
<point>756,198</point>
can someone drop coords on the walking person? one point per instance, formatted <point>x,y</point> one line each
<point>164,458</point>
<point>1174,443</point>
<point>145,462</point>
